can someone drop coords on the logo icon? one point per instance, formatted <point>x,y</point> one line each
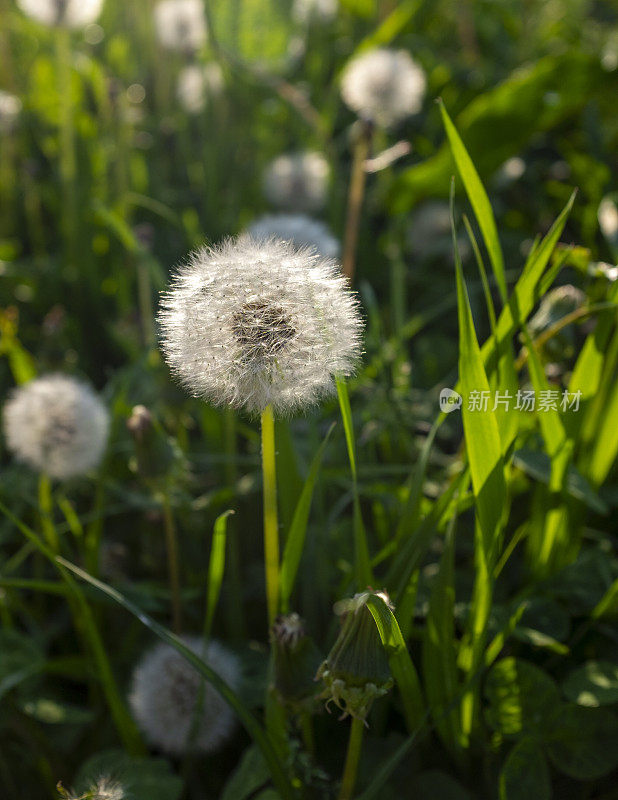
<point>450,400</point>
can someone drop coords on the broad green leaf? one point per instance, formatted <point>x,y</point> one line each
<point>362,563</point>
<point>593,684</point>
<point>439,657</point>
<point>216,568</point>
<point>583,742</point>
<point>141,778</point>
<point>396,22</point>
<point>399,660</point>
<point>249,775</point>
<point>605,447</point>
<point>252,726</point>
<point>520,695</point>
<point>479,201</point>
<point>525,773</point>
<point>296,536</point>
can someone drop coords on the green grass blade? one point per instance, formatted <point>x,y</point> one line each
<point>410,516</point>
<point>252,726</point>
<point>401,665</point>
<point>216,568</point>
<point>362,565</point>
<point>296,537</point>
<point>479,201</point>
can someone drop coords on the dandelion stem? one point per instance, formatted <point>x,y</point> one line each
<point>271,526</point>
<point>68,168</point>
<point>235,607</point>
<point>356,194</point>
<point>46,505</point>
<point>352,758</point>
<point>173,562</point>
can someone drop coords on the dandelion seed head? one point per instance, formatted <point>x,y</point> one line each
<point>181,24</point>
<point>252,323</point>
<point>57,425</point>
<point>196,84</point>
<point>304,11</point>
<point>608,219</point>
<point>10,108</point>
<point>62,13</point>
<point>165,692</point>
<point>297,181</point>
<point>301,230</point>
<point>557,303</point>
<point>384,86</point>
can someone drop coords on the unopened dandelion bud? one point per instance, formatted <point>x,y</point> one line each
<point>356,671</point>
<point>296,660</point>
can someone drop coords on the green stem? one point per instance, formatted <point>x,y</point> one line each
<point>46,506</point>
<point>352,758</point>
<point>356,194</point>
<point>68,168</point>
<point>271,525</point>
<point>235,607</point>
<point>171,544</point>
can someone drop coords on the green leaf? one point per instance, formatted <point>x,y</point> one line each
<point>252,726</point>
<point>479,201</point>
<point>362,563</point>
<point>608,604</point>
<point>399,661</point>
<point>141,778</point>
<point>525,773</point>
<point>397,21</point>
<point>296,537</point>
<point>593,684</point>
<point>520,695</point>
<point>249,775</point>
<point>216,568</point>
<point>439,656</point>
<point>435,785</point>
<point>583,742</point>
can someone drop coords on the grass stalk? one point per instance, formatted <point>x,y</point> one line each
<point>171,544</point>
<point>356,194</point>
<point>46,507</point>
<point>352,759</point>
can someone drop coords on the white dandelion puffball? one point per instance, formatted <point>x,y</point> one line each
<point>10,107</point>
<point>253,323</point>
<point>196,84</point>
<point>165,693</point>
<point>57,425</point>
<point>297,181</point>
<point>384,86</point>
<point>301,230</point>
<point>63,13</point>
<point>608,219</point>
<point>181,24</point>
<point>304,11</point>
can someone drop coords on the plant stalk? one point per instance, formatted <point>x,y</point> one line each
<point>356,194</point>
<point>271,525</point>
<point>171,544</point>
<point>352,758</point>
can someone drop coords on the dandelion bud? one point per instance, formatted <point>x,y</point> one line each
<point>383,85</point>
<point>57,425</point>
<point>556,304</point>
<point>165,693</point>
<point>356,670</point>
<point>299,229</point>
<point>255,323</point>
<point>296,659</point>
<point>297,182</point>
<point>62,13</point>
<point>608,220</point>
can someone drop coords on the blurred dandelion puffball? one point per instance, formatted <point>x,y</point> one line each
<point>384,86</point>
<point>63,13</point>
<point>196,83</point>
<point>57,425</point>
<point>181,24</point>
<point>297,181</point>
<point>165,692</point>
<point>103,789</point>
<point>253,323</point>
<point>608,219</point>
<point>301,230</point>
<point>10,107</point>
<point>304,11</point>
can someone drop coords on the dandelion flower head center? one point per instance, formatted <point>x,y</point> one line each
<point>262,329</point>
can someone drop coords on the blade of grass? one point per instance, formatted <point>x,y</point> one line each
<point>252,726</point>
<point>362,565</point>
<point>296,537</point>
<point>216,568</point>
<point>478,199</point>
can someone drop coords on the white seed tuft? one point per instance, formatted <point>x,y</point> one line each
<point>252,323</point>
<point>165,693</point>
<point>63,13</point>
<point>57,425</point>
<point>297,181</point>
<point>384,86</point>
<point>196,84</point>
<point>181,24</point>
<point>301,230</point>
